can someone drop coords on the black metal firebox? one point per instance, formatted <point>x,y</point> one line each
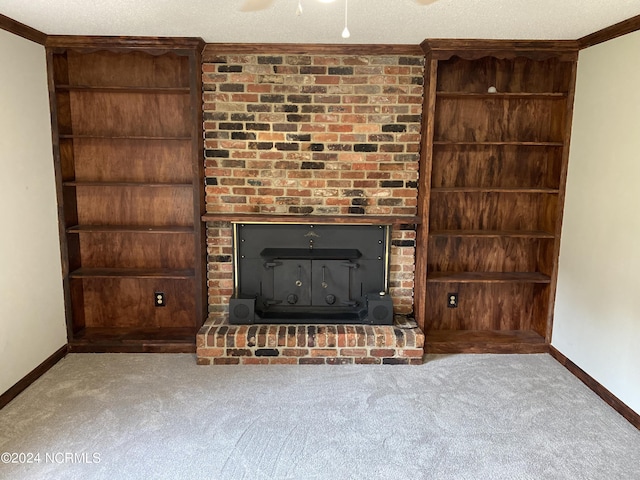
<point>302,273</point>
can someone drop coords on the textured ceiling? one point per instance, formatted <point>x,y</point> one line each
<point>370,21</point>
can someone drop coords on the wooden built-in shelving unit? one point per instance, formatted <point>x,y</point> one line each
<point>128,155</point>
<point>493,168</point>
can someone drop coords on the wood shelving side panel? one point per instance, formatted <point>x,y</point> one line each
<point>148,90</point>
<point>131,273</point>
<point>488,277</point>
<point>115,114</point>
<point>128,302</point>
<point>491,234</point>
<point>141,229</point>
<point>126,160</point>
<point>484,254</point>
<point>499,119</point>
<point>134,340</point>
<point>502,95</point>
<point>131,69</point>
<point>515,75</point>
<point>137,250</point>
<point>496,166</point>
<point>134,206</point>
<point>492,211</point>
<point>484,341</point>
<point>485,306</point>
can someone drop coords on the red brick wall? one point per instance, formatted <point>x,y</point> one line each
<point>314,135</point>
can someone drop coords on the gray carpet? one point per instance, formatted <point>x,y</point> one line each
<point>124,416</point>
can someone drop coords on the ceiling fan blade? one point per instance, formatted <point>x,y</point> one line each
<point>255,5</point>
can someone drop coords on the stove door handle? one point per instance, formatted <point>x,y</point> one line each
<point>272,264</point>
<point>350,265</point>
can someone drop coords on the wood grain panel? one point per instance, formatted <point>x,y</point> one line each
<point>59,68</point>
<point>484,341</point>
<point>134,206</point>
<point>123,160</point>
<point>121,114</point>
<point>541,299</point>
<point>487,211</point>
<point>474,49</point>
<point>137,250</point>
<point>512,76</point>
<point>212,50</point>
<point>129,302</point>
<point>63,113</point>
<point>133,69</point>
<point>76,308</point>
<point>501,254</point>
<point>483,306</point>
<point>69,207</point>
<point>122,44</point>
<point>496,166</point>
<point>135,340</point>
<point>311,219</point>
<point>548,214</point>
<point>424,190</point>
<point>499,119</point>
<point>67,161</point>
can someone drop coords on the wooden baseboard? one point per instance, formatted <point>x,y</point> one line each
<point>615,403</point>
<point>33,375</point>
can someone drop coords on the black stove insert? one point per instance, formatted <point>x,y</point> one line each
<point>302,273</point>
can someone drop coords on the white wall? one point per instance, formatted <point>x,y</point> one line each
<point>597,312</point>
<point>32,323</point>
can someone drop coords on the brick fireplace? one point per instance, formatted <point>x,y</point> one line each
<point>300,136</point>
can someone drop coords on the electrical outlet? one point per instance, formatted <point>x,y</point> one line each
<point>159,299</point>
<point>452,300</point>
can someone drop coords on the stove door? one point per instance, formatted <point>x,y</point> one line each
<point>292,282</point>
<point>331,283</point>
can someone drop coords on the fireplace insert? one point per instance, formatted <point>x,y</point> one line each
<point>311,273</point>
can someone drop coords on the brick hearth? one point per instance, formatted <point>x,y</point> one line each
<point>219,343</point>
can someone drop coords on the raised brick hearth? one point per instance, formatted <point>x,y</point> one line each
<point>219,343</point>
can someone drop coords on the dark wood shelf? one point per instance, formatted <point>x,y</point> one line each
<point>134,340</point>
<point>128,229</point>
<point>126,137</point>
<point>492,233</point>
<point>126,184</point>
<point>488,277</point>
<point>132,273</point>
<point>497,143</point>
<point>494,190</point>
<point>484,341</point>
<point>122,89</point>
<point>312,219</point>
<point>504,95</point>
